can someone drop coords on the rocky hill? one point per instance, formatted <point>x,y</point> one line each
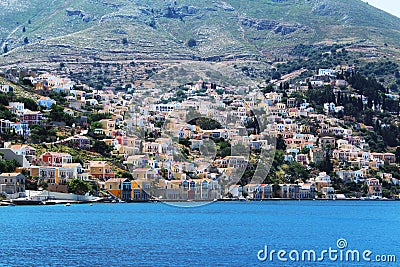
<point>116,30</point>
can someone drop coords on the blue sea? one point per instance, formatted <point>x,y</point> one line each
<point>218,234</point>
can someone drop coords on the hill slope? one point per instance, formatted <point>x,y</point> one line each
<point>88,30</point>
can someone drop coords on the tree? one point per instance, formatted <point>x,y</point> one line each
<point>124,41</point>
<point>181,95</point>
<point>297,171</point>
<point>4,99</point>
<point>125,174</point>
<point>28,103</point>
<point>101,147</point>
<point>41,133</point>
<point>192,42</point>
<point>275,190</point>
<point>276,75</point>
<point>368,117</point>
<point>224,152</point>
<point>6,113</point>
<point>23,29</point>
<point>8,165</point>
<point>389,136</point>
<point>5,49</point>
<point>280,143</point>
<point>268,89</point>
<point>96,125</point>
<point>206,123</point>
<point>78,159</point>
<point>79,187</point>
<point>57,114</point>
<point>96,117</point>
<point>26,40</point>
<point>286,86</point>
<point>326,165</point>
<point>397,153</point>
<point>185,141</point>
<point>31,183</point>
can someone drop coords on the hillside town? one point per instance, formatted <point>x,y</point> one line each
<point>197,142</point>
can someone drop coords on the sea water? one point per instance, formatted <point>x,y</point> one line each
<point>218,234</point>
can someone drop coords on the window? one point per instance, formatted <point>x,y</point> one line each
<point>110,186</point>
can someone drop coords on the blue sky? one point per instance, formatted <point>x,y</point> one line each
<point>391,6</point>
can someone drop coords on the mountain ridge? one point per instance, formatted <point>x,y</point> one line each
<point>94,30</point>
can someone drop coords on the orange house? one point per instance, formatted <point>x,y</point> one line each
<point>101,170</point>
<point>120,188</point>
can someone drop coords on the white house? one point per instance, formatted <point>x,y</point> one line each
<point>17,108</point>
<point>5,88</point>
<point>326,72</point>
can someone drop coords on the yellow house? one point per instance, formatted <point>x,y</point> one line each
<point>140,190</point>
<point>119,187</point>
<point>107,124</point>
<point>101,169</point>
<point>114,186</point>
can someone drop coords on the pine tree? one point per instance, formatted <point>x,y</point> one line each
<point>286,86</point>
<point>397,154</point>
<point>360,104</point>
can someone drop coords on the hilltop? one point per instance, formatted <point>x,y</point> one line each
<point>92,30</point>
